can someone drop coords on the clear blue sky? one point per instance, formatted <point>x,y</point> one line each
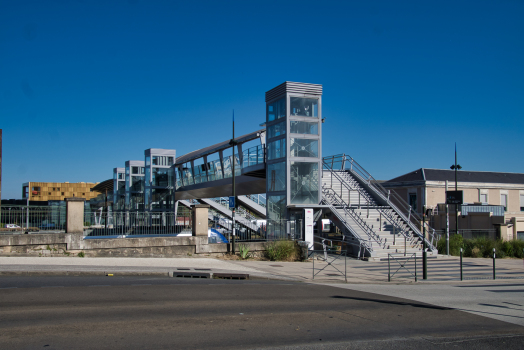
<point>86,85</point>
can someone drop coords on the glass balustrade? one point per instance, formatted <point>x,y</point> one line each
<point>250,157</point>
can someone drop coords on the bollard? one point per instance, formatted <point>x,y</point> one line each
<point>494,263</point>
<point>461,264</point>
<point>424,264</point>
<point>405,246</point>
<point>389,271</point>
<point>415,267</point>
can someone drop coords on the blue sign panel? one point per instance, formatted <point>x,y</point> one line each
<point>231,202</point>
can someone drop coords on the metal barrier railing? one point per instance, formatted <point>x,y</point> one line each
<point>124,224</point>
<point>34,220</point>
<point>402,261</point>
<point>329,258</point>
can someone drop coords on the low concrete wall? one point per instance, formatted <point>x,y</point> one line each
<point>56,244</point>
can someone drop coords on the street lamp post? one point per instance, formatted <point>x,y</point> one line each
<point>233,144</point>
<point>456,167</point>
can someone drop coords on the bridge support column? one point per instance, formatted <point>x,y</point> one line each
<point>75,215</point>
<point>200,220</point>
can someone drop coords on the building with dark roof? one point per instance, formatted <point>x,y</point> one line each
<point>492,200</point>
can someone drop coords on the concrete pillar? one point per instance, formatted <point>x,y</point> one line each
<point>200,219</point>
<point>75,215</point>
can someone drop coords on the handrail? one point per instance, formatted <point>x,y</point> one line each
<point>366,196</point>
<point>386,195</point>
<point>329,192</point>
<point>398,224</point>
<point>355,234</point>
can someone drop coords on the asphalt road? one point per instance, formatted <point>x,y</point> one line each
<point>168,313</point>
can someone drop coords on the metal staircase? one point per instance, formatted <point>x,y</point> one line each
<point>371,214</point>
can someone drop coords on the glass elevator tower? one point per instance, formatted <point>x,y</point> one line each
<point>294,152</point>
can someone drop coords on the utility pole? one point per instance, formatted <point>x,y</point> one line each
<point>456,167</point>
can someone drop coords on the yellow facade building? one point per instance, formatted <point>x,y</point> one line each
<point>58,191</point>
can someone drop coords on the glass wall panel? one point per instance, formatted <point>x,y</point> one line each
<point>297,127</point>
<point>218,169</point>
<point>276,129</point>
<point>178,174</point>
<point>227,167</point>
<point>304,183</point>
<point>187,174</point>
<point>137,183</point>
<point>276,180</point>
<point>276,149</point>
<point>160,177</point>
<point>161,198</point>
<point>305,107</point>
<point>276,110</point>
<point>303,148</point>
<point>276,210</point>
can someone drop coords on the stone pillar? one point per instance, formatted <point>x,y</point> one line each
<point>75,215</point>
<point>200,220</point>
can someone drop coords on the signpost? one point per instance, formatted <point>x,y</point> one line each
<point>231,202</point>
<point>454,197</point>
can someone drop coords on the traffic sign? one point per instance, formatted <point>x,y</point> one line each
<point>231,202</point>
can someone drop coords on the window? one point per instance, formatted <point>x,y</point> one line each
<point>62,193</point>
<point>276,130</point>
<point>303,148</point>
<point>297,127</point>
<point>135,170</point>
<point>276,110</point>
<point>413,201</point>
<point>522,202</point>
<point>120,176</point>
<point>160,177</point>
<point>276,149</point>
<point>504,201</point>
<point>276,180</point>
<point>484,198</point>
<point>162,160</point>
<point>305,107</point>
<point>304,179</point>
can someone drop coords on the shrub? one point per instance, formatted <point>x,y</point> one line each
<point>475,253</point>
<point>455,243</point>
<point>282,251</point>
<point>81,255</point>
<point>244,252</point>
<point>482,247</point>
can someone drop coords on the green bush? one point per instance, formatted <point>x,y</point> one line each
<point>81,255</point>
<point>455,243</point>
<point>282,251</point>
<point>482,247</point>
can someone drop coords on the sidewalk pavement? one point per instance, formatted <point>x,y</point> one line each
<point>442,270</point>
